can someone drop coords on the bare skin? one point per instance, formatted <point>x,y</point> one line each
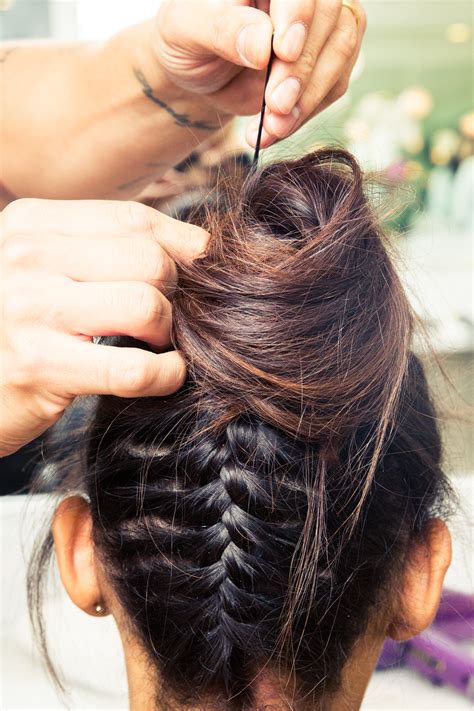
<point>105,120</point>
<point>72,271</point>
<point>411,611</point>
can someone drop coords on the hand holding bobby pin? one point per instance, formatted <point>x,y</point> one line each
<point>215,54</point>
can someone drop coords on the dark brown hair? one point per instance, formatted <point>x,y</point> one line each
<point>253,520</point>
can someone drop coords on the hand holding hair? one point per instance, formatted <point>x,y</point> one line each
<point>73,271</point>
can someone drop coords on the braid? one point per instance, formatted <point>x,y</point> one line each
<point>213,541</point>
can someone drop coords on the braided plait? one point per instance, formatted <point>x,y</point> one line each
<point>213,538</point>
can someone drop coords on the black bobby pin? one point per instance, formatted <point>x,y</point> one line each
<point>262,112</point>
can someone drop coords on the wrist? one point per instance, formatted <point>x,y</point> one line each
<point>144,59</point>
<point>158,81</point>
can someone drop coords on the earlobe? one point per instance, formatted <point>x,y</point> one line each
<point>423,577</point>
<point>72,534</point>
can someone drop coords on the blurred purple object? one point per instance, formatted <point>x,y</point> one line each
<point>439,653</point>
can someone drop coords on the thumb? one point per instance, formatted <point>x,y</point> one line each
<point>241,35</point>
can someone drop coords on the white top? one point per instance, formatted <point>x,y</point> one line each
<point>88,652</point>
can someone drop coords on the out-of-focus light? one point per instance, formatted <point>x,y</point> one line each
<point>396,172</point>
<point>466,125</point>
<point>459,32</point>
<point>466,149</point>
<point>445,146</point>
<point>416,101</point>
<point>6,5</point>
<point>357,130</point>
<point>440,156</point>
<point>372,105</point>
<point>414,143</point>
<point>413,170</point>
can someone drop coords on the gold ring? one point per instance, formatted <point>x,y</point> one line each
<point>351,5</point>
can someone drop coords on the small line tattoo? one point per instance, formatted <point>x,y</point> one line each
<point>6,53</point>
<point>180,119</point>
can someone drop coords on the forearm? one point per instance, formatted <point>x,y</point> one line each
<point>93,120</point>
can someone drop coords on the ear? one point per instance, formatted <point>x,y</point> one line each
<point>423,577</point>
<point>72,534</point>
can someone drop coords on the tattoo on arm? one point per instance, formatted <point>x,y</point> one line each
<point>5,53</point>
<point>180,119</point>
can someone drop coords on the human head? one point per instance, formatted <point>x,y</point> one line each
<point>258,533</point>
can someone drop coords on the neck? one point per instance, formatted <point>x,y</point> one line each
<point>144,682</point>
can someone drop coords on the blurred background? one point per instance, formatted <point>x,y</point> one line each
<point>409,118</point>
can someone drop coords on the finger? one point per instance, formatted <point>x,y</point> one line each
<point>340,87</point>
<point>292,22</point>
<point>95,369</point>
<point>114,309</point>
<point>244,91</point>
<point>288,81</point>
<point>338,53</point>
<point>139,259</point>
<point>241,35</point>
<point>267,139</point>
<point>105,218</point>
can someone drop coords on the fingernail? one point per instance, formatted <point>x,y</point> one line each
<point>247,45</point>
<point>252,135</point>
<point>286,94</point>
<point>293,41</point>
<point>281,126</point>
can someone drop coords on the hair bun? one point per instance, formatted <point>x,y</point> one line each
<point>296,313</point>
<point>320,189</point>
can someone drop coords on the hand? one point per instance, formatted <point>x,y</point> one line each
<point>220,49</point>
<point>71,271</point>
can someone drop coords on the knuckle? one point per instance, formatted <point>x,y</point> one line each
<point>149,305</point>
<point>346,42</point>
<point>130,376</point>
<point>328,10</point>
<point>171,375</point>
<point>18,250</point>
<point>155,262</point>
<point>134,216</point>
<point>307,61</point>
<point>179,373</point>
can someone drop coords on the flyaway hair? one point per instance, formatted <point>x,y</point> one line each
<point>255,520</point>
